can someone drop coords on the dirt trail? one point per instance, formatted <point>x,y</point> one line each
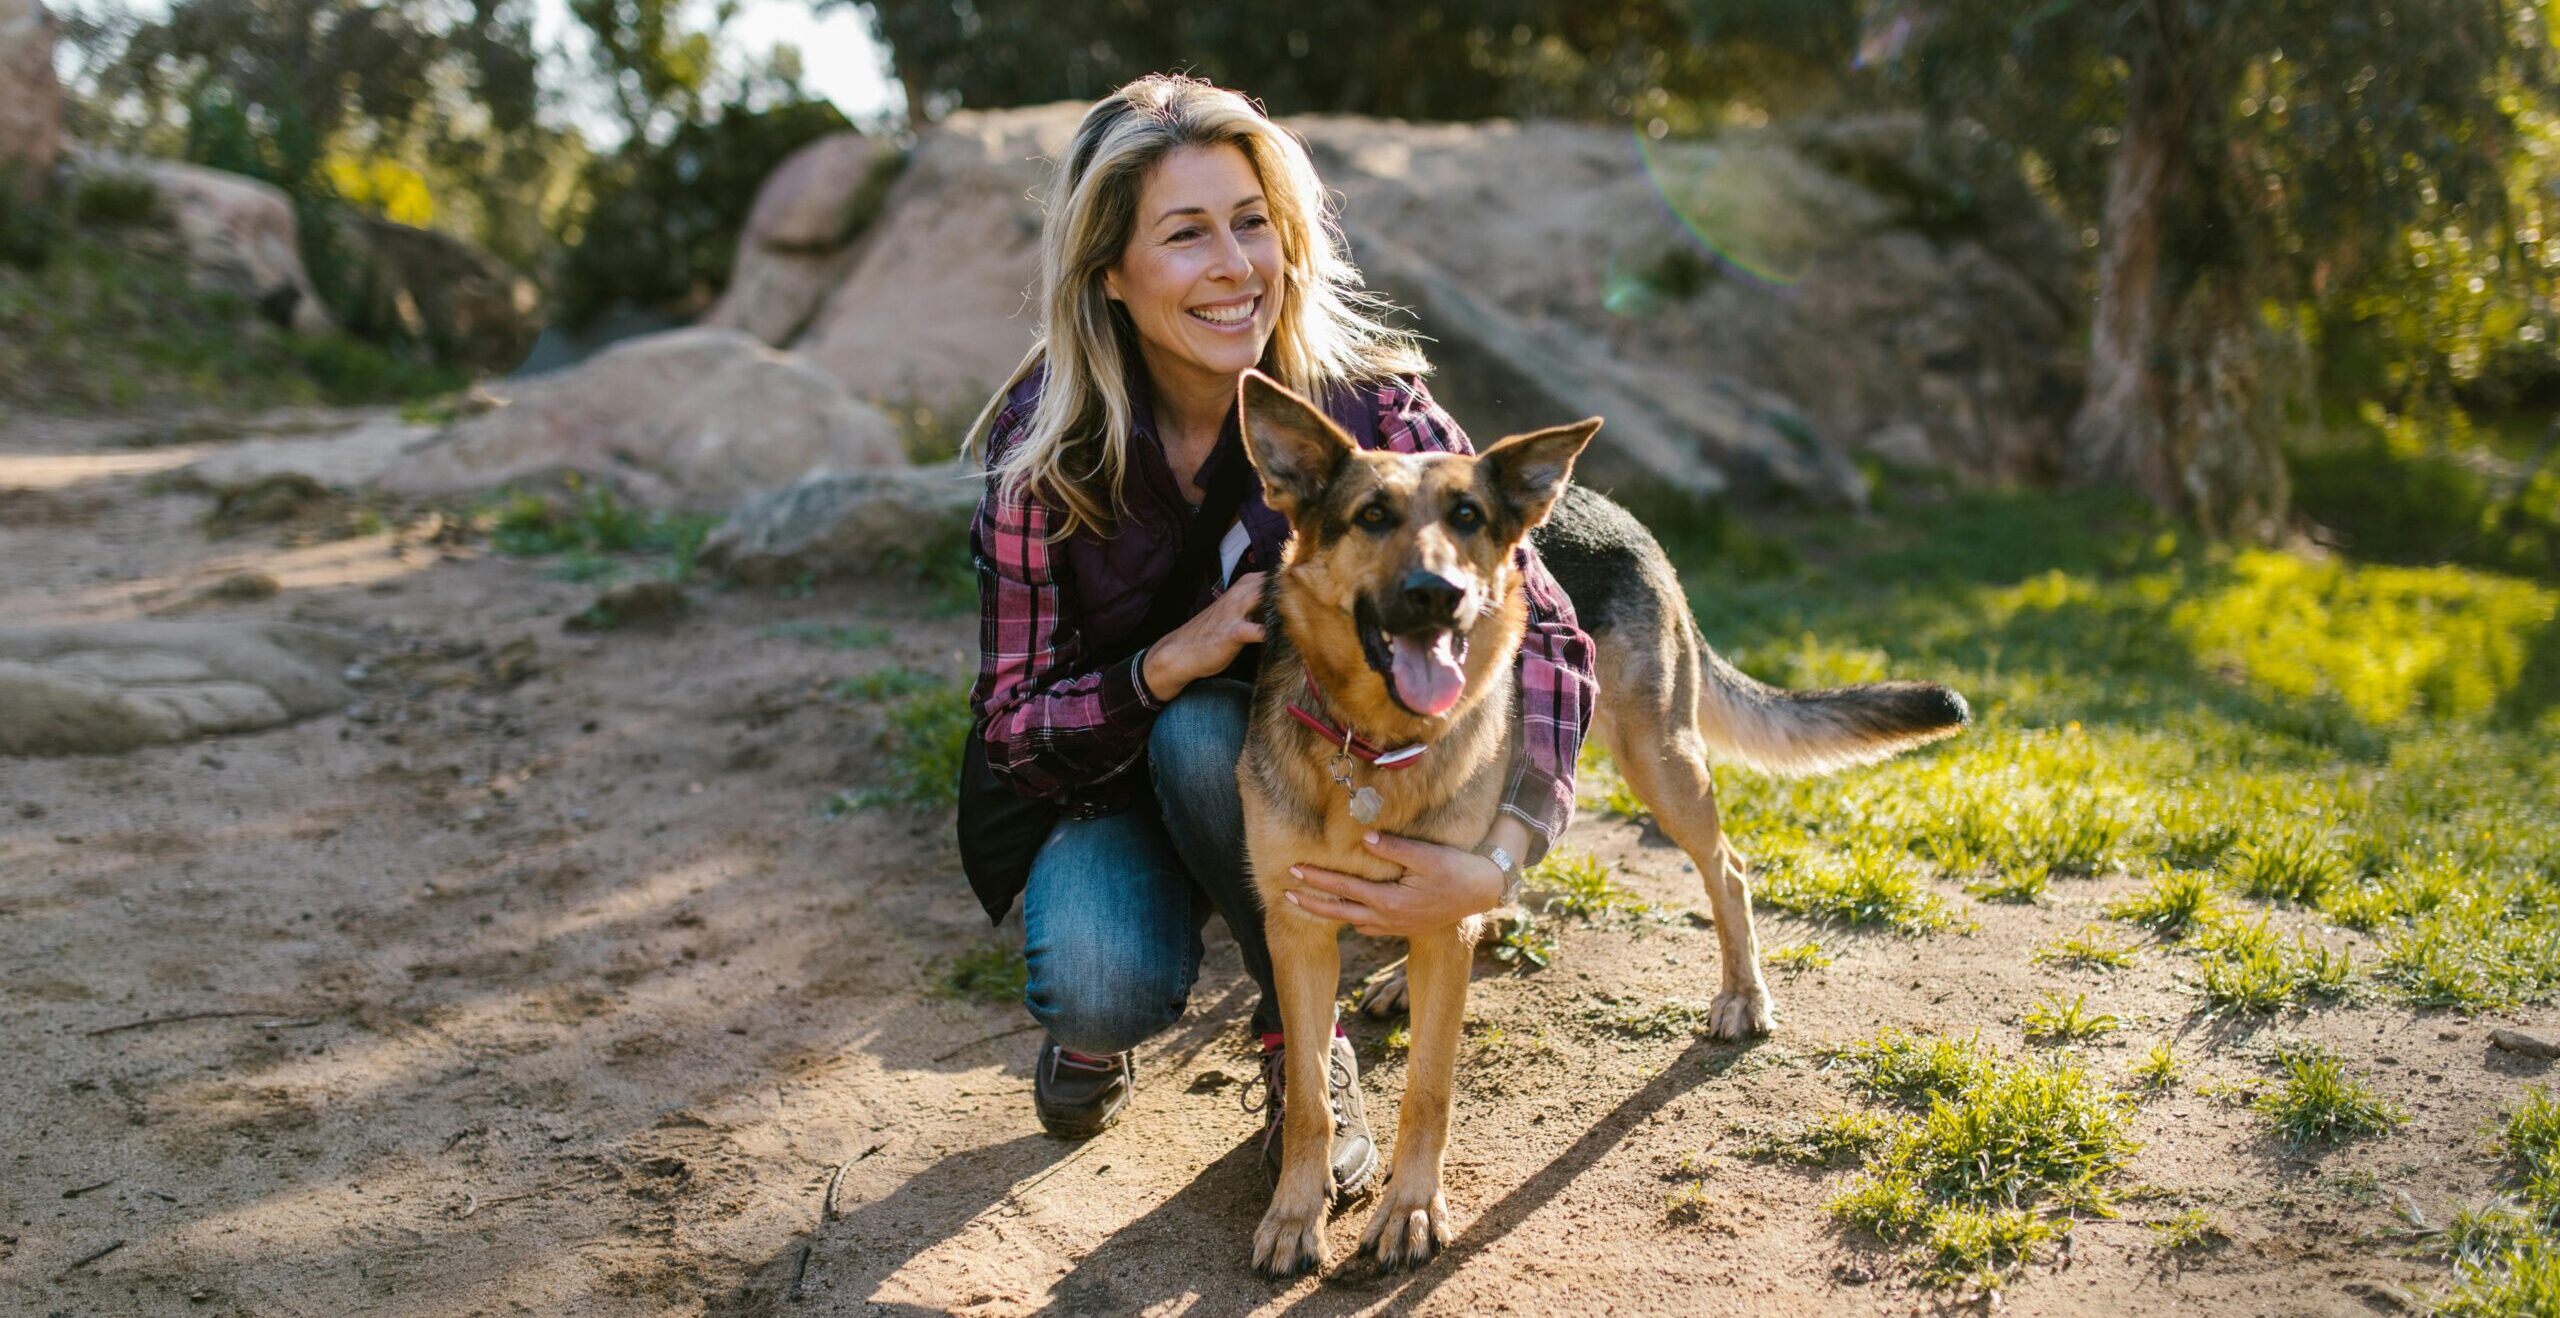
<point>562,995</point>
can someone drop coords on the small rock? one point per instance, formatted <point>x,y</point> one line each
<point>1210,1082</point>
<point>633,603</point>
<point>243,586</point>
<point>355,674</point>
<point>513,662</point>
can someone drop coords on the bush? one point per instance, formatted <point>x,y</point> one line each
<point>661,228</point>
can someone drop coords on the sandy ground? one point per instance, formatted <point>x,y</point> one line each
<point>563,995</point>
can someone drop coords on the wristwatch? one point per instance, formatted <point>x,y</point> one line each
<point>1510,872</point>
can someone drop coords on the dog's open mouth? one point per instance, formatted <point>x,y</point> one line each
<point>1425,672</point>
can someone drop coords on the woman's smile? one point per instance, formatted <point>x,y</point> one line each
<point>1233,315</point>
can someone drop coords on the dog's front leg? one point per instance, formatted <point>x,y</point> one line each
<point>1412,1221</point>
<point>1306,966</point>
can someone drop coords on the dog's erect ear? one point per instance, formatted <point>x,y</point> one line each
<point>1529,471</point>
<point>1291,443</point>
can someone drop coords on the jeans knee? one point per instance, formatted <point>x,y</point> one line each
<point>1195,744</point>
<point>1096,1010</point>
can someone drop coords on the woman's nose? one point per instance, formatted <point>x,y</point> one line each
<point>1232,262</point>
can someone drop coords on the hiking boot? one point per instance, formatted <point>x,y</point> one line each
<point>1080,1096</point>
<point>1354,1153</point>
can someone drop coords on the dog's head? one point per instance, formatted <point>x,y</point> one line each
<point>1401,560</point>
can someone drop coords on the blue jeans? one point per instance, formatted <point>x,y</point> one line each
<point>1112,916</point>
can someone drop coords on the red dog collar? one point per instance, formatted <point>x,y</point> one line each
<point>1351,742</point>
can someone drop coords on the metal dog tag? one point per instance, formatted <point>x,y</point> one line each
<point>1367,805</point>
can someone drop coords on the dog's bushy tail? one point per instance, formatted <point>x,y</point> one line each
<point>1810,732</point>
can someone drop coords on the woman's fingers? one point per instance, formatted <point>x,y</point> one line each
<point>1331,908</point>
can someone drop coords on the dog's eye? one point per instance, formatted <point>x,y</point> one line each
<point>1466,517</point>
<point>1374,515</point>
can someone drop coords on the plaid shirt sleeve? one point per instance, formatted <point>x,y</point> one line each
<point>1557,684</point>
<point>1051,723</point>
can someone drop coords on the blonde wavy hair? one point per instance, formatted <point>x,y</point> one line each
<point>1329,329</point>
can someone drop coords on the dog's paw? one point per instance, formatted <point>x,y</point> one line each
<point>1290,1241</point>
<point>1386,994</point>
<point>1407,1229</point>
<point>1742,1013</point>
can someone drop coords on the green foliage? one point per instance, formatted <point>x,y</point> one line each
<point>1834,1139</point>
<point>1970,1180</point>
<point>833,635</point>
<point>1525,943</point>
<point>2175,903</point>
<point>2530,1138</point>
<point>920,748</point>
<point>2024,887</point>
<point>2052,1020</point>
<point>109,197</point>
<point>2433,506</point>
<point>2158,1069</point>
<point>2294,863</point>
<point>1579,883</point>
<point>2091,948</point>
<point>2522,1281</point>
<point>662,222</point>
<point>888,684</point>
<point>2244,967</point>
<point>2192,1228</point>
<point>592,519</point>
<point>112,322</point>
<point>1864,886</point>
<point>1796,957</point>
<point>995,973</point>
<point>2319,1103</point>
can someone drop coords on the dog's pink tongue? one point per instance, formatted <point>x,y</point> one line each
<point>1428,678</point>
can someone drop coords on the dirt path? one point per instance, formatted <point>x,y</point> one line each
<point>562,994</point>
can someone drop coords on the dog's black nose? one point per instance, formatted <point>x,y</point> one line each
<point>1432,595</point>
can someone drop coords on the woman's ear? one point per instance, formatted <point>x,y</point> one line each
<point>1111,284</point>
<point>1297,450</point>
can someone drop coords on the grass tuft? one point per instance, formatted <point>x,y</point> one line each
<point>1868,886</point>
<point>2053,1020</point>
<point>1579,883</point>
<point>2092,948</point>
<point>995,973</point>
<point>2174,903</point>
<point>2192,1228</point>
<point>2319,1103</point>
<point>2157,1071</point>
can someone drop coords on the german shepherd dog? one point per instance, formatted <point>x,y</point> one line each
<point>1396,613</point>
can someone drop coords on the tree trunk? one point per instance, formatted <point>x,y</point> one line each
<point>2224,452</point>
<point>2120,434</point>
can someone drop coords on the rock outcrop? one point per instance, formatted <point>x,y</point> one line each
<point>695,418</point>
<point>458,303</point>
<point>848,525</point>
<point>240,235</point>
<point>803,233</point>
<point>106,687</point>
<point>1753,311</point>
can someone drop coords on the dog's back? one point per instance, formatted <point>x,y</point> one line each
<point>1627,597</point>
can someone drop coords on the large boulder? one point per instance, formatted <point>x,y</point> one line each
<point>30,98</point>
<point>693,418</point>
<point>802,233</point>
<point>1756,310</point>
<point>239,235</point>
<point>343,451</point>
<point>439,292</point>
<point>848,525</point>
<point>105,687</point>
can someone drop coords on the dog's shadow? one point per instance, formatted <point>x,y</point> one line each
<point>1196,1245</point>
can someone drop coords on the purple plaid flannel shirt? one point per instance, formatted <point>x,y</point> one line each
<point>1059,726</point>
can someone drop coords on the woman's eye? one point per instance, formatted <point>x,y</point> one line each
<point>1254,222</point>
<point>1183,235</point>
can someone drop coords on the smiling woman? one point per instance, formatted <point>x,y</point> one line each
<point>1121,550</point>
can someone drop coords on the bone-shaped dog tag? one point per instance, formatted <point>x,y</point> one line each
<point>1367,805</point>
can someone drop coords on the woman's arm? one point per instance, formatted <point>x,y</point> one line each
<point>1050,721</point>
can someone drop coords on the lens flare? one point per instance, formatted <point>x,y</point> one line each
<point>1734,203</point>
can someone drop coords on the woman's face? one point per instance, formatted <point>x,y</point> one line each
<point>1202,274</point>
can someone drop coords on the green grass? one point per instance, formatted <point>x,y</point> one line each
<point>1834,1139</point>
<point>888,684</point>
<point>2021,887</point>
<point>2053,1020</point>
<point>2003,1156</point>
<point>2092,948</point>
<point>1526,943</point>
<point>833,635</point>
<point>2294,863</point>
<point>2157,1070</point>
<point>2319,1102</point>
<point>1796,958</point>
<point>2246,967</point>
<point>1867,886</point>
<point>2193,1228</point>
<point>2175,903</point>
<point>109,320</point>
<point>1579,883</point>
<point>2531,1142</point>
<point>995,973</point>
<point>921,742</point>
<point>594,531</point>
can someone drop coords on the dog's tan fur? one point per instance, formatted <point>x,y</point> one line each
<point>1663,694</point>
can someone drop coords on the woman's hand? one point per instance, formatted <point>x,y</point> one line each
<point>1204,646</point>
<point>1440,886</point>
